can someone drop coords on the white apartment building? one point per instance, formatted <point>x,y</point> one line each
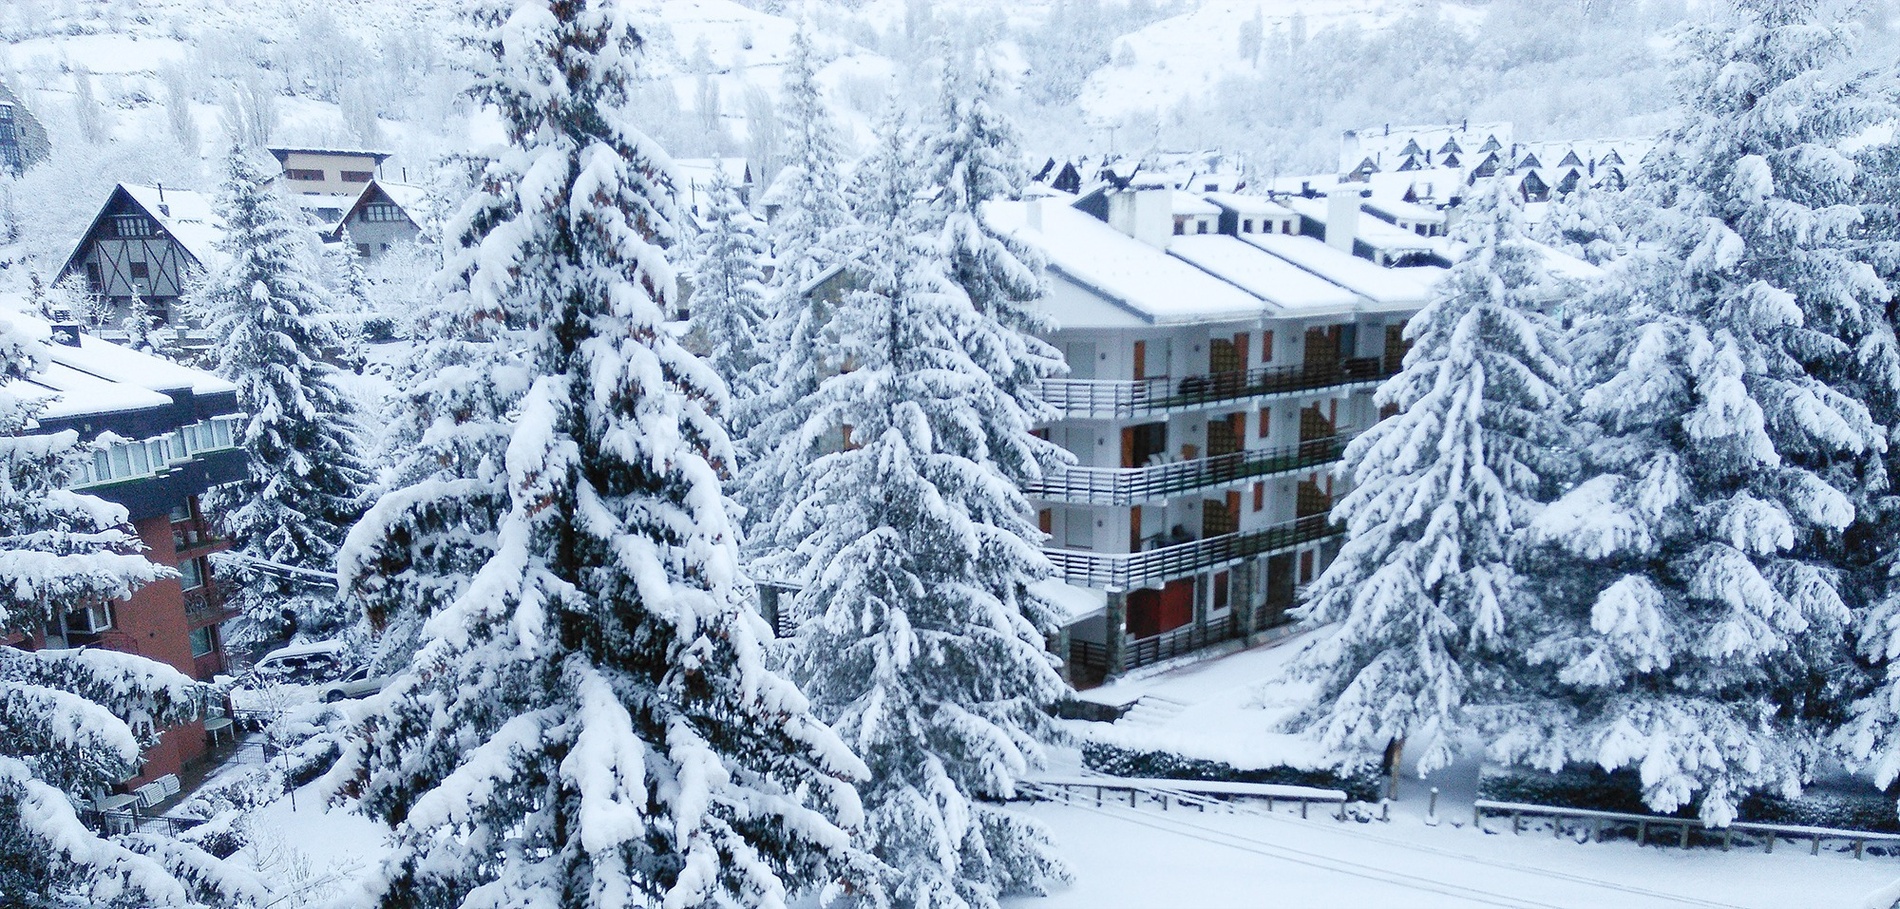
<point>1219,362</point>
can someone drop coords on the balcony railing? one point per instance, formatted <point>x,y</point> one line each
<point>1127,486</point>
<point>1128,570</point>
<point>1111,399</point>
<point>203,602</point>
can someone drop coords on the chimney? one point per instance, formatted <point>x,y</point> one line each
<point>161,194</point>
<point>1145,213</point>
<point>1033,214</point>
<point>66,334</point>
<point>1342,218</point>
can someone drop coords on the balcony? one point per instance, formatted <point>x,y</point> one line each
<point>204,604</point>
<point>1131,485</point>
<point>1110,399</point>
<point>1128,570</point>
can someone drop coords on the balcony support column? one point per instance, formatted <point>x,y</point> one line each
<point>1240,590</point>
<point>1115,617</point>
<point>1062,648</point>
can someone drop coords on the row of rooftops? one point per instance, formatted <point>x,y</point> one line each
<point>1129,264</point>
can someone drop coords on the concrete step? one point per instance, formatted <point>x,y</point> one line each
<point>1152,711</point>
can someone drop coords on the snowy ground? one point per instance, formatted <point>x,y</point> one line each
<point>1147,857</point>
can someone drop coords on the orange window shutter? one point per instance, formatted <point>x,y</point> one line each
<point>1266,421</point>
<point>1241,347</point>
<point>1046,520</point>
<point>1141,359</point>
<point>1134,529</point>
<point>1259,496</point>
<point>1266,347</point>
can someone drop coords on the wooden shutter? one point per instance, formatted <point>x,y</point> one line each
<point>1266,347</point>
<point>1141,359</point>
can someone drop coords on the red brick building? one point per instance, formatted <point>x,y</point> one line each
<point>168,435</point>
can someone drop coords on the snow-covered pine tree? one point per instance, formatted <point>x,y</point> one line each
<point>306,483</point>
<point>922,649</point>
<point>1695,629</point>
<point>729,294</point>
<point>139,325</point>
<point>811,234</point>
<point>1582,224</point>
<point>350,307</point>
<point>1425,589</point>
<point>592,723</point>
<point>446,487</point>
<point>73,723</point>
<point>973,155</point>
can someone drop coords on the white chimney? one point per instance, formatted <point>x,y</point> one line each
<point>1033,213</point>
<point>1147,214</point>
<point>1342,218</point>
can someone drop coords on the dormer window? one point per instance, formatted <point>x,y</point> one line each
<point>1200,226</point>
<point>1180,226</point>
<point>1246,227</point>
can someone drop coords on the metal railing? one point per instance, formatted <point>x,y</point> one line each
<point>1128,570</point>
<point>1110,399</point>
<point>1088,655</point>
<point>1076,790</point>
<point>1130,485</point>
<point>1599,821</point>
<point>1183,640</point>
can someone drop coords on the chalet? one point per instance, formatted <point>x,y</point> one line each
<point>146,241</point>
<point>166,434</point>
<point>328,171</point>
<point>23,140</point>
<point>384,216</point>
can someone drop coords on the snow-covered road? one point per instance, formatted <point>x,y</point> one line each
<point>1145,857</point>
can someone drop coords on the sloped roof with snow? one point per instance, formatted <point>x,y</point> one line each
<point>1386,288</point>
<point>1157,286</point>
<point>1287,288</point>
<point>99,377</point>
<point>187,215</point>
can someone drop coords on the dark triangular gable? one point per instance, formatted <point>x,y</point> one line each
<point>1529,160</point>
<point>1410,163</point>
<point>1450,148</point>
<point>1411,149</point>
<point>1571,160</point>
<point>1491,144</point>
<point>1569,183</point>
<point>119,202</point>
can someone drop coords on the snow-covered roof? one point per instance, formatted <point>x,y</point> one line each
<point>100,377</point>
<point>1185,203</point>
<point>1287,287</point>
<point>187,215</point>
<point>1071,603</point>
<point>1386,288</point>
<point>1376,233</point>
<point>1145,279</point>
<point>1248,205</point>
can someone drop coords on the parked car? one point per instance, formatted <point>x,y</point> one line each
<point>357,683</point>
<point>317,671</point>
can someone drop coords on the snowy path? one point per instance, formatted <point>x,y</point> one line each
<point>1148,858</point>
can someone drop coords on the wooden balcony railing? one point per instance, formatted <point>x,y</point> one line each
<point>1128,570</point>
<point>1111,399</point>
<point>1128,486</point>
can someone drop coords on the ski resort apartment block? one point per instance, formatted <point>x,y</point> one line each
<point>166,434</point>
<point>1223,349</point>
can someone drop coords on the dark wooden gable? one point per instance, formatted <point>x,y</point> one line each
<point>1571,160</point>
<point>134,254</point>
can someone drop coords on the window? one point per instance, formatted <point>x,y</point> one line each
<point>296,173</point>
<point>90,619</point>
<point>133,226</point>
<point>362,249</point>
<point>141,271</point>
<point>1306,566</point>
<point>1200,226</point>
<point>383,212</point>
<point>1221,584</point>
<point>203,642</point>
<point>1246,227</point>
<point>358,176</point>
<point>181,513</point>
<point>191,574</point>
<point>93,280</point>
<point>1180,226</point>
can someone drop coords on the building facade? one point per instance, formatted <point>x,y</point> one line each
<point>148,242</point>
<point>171,435</point>
<point>328,171</point>
<point>383,217</point>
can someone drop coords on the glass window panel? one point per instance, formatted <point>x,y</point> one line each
<point>121,461</point>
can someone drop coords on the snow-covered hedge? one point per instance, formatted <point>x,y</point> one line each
<point>1589,787</point>
<point>1362,783</point>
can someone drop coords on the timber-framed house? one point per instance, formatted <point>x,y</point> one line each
<point>146,241</point>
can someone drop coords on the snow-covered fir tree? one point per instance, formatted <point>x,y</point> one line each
<point>729,293</point>
<point>924,649</point>
<point>306,481</point>
<point>1426,589</point>
<point>1583,225</point>
<point>811,234</point>
<point>446,487</point>
<point>1695,629</point>
<point>73,722</point>
<point>139,325</point>
<point>973,155</point>
<point>592,722</point>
